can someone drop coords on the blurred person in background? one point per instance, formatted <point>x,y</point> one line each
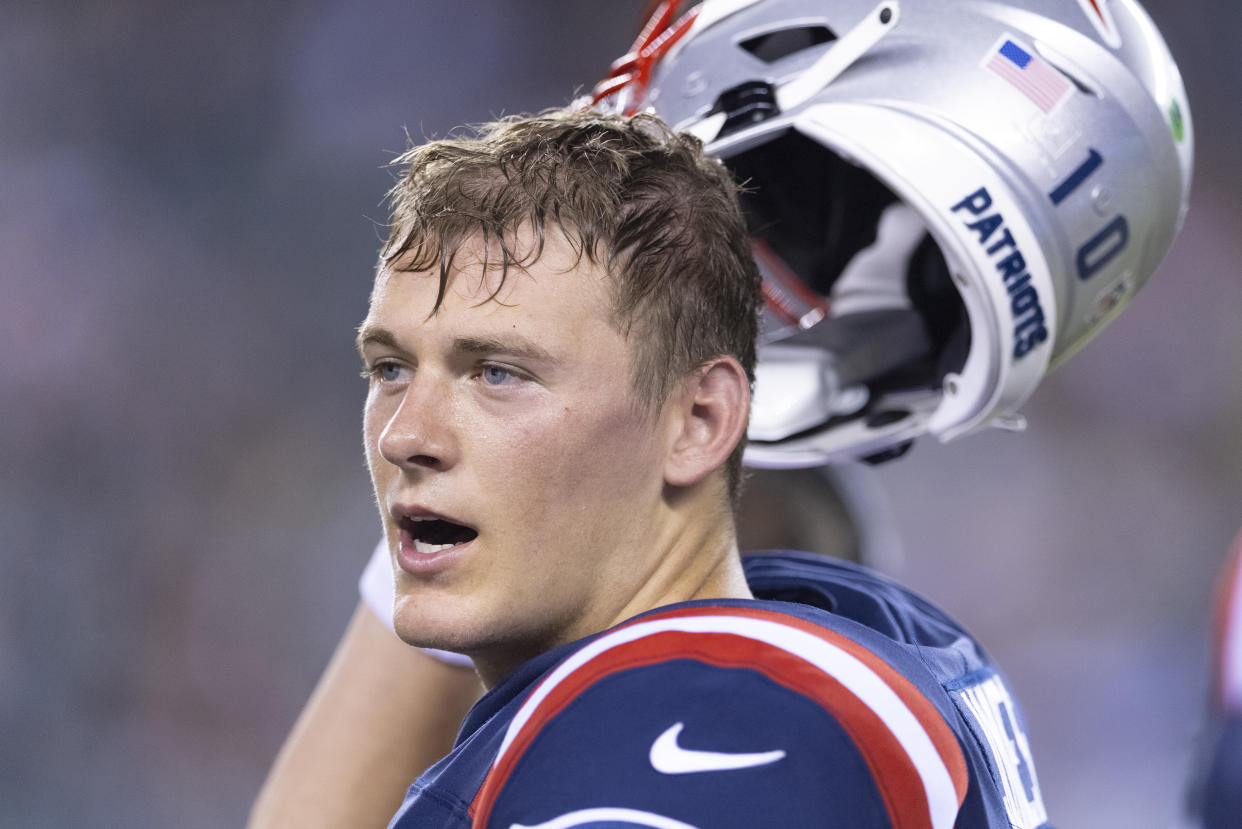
<point>1217,796</point>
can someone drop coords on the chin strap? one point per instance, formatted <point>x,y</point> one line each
<point>629,76</point>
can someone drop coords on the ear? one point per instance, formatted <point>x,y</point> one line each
<point>711,408</point>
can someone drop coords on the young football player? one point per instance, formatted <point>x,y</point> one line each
<point>1016,265</point>
<point>560,345</point>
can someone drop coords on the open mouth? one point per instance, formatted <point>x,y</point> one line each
<point>431,535</point>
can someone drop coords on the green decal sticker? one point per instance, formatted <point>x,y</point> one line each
<point>1176,122</point>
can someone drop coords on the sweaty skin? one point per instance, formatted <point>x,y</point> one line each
<point>512,412</point>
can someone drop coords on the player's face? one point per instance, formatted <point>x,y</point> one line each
<point>518,479</point>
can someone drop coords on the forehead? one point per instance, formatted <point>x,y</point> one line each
<point>557,293</point>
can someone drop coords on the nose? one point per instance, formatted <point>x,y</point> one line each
<point>418,433</point>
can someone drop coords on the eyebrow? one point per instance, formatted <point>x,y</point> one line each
<point>511,344</point>
<point>371,334</point>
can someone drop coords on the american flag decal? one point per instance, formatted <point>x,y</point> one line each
<point>1026,72</point>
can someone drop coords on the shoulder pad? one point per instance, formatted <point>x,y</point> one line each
<point>724,716</point>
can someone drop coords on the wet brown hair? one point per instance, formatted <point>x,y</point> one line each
<point>627,193</point>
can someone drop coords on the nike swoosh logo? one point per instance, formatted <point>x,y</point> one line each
<point>609,816</point>
<point>669,758</point>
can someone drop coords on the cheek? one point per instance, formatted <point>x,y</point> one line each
<point>373,422</point>
<point>588,454</point>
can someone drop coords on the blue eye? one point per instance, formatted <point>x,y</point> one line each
<point>385,371</point>
<point>497,376</point>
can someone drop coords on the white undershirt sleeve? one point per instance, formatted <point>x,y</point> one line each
<point>376,588</point>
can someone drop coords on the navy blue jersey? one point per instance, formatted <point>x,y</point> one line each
<point>835,699</point>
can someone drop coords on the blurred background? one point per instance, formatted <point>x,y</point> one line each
<point>189,200</point>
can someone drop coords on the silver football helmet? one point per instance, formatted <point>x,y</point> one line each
<point>948,199</point>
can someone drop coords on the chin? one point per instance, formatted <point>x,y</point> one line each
<point>417,623</point>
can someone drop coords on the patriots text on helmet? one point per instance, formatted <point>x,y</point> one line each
<point>989,228</point>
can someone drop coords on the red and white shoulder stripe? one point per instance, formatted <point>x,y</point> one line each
<point>1228,629</point>
<point>911,751</point>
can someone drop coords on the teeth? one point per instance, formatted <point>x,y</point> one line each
<point>424,548</point>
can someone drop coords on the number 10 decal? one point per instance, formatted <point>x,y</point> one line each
<point>1094,254</point>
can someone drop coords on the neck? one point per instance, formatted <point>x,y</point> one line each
<point>697,561</point>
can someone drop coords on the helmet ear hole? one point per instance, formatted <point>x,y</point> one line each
<point>772,46</point>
